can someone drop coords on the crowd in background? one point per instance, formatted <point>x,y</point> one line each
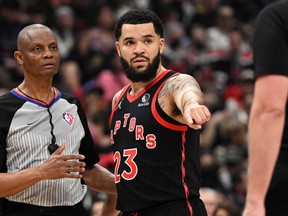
<point>209,39</point>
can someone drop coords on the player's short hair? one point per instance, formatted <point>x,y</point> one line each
<point>139,16</point>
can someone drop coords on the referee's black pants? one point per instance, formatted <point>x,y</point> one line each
<point>21,209</point>
<point>276,199</point>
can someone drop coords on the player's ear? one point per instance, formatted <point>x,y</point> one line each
<point>161,44</point>
<point>117,45</point>
<point>18,57</point>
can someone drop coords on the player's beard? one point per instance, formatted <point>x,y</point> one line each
<point>141,75</point>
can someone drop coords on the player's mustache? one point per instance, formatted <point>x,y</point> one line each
<point>140,56</point>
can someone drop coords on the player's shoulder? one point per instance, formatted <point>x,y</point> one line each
<point>118,95</point>
<point>278,7</point>
<point>179,77</point>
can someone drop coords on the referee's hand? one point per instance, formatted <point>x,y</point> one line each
<point>62,166</point>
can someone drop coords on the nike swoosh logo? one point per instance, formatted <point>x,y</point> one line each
<point>30,123</point>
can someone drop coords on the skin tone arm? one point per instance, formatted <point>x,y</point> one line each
<point>265,132</point>
<point>182,99</point>
<point>100,179</point>
<point>55,167</point>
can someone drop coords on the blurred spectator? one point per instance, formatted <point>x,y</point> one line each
<point>10,25</point>
<point>64,30</point>
<point>238,194</point>
<point>218,38</point>
<point>235,133</point>
<point>209,170</point>
<point>206,13</point>
<point>246,10</point>
<point>241,90</point>
<point>89,60</point>
<point>145,4</point>
<point>188,12</point>
<point>246,80</point>
<point>175,51</point>
<point>241,56</point>
<point>7,80</point>
<point>218,35</point>
<point>34,11</point>
<point>212,134</point>
<point>69,79</point>
<point>94,99</point>
<point>112,78</point>
<point>230,151</point>
<point>197,52</point>
<point>99,122</point>
<point>226,208</point>
<point>212,96</point>
<point>169,11</point>
<point>101,32</point>
<point>95,43</point>
<point>211,198</point>
<point>97,111</point>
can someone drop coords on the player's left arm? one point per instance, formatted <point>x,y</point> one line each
<point>182,99</point>
<point>100,179</point>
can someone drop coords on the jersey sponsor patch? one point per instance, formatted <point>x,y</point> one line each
<point>68,117</point>
<point>144,100</point>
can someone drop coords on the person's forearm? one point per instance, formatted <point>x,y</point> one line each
<point>12,183</point>
<point>100,179</point>
<point>55,167</point>
<point>265,132</point>
<point>186,90</point>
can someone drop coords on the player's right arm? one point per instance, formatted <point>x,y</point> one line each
<point>181,98</point>
<point>264,135</point>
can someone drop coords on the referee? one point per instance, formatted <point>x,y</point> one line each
<point>47,155</point>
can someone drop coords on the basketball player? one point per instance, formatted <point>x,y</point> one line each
<point>155,124</point>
